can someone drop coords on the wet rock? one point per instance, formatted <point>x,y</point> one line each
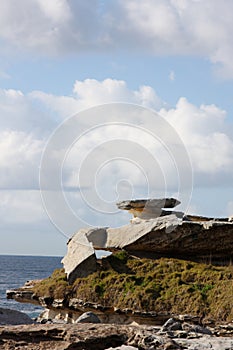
<point>88,317</point>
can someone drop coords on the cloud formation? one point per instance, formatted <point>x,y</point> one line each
<point>163,27</point>
<point>28,119</point>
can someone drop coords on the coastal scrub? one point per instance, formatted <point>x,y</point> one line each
<point>162,285</point>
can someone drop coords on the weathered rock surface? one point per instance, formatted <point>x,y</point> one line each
<point>13,317</point>
<point>148,208</point>
<point>100,337</point>
<point>152,233</point>
<point>80,259</point>
<point>152,203</point>
<point>205,241</point>
<point>168,236</point>
<point>69,310</point>
<point>88,317</point>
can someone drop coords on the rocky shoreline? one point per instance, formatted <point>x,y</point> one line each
<point>146,295</point>
<point>105,336</point>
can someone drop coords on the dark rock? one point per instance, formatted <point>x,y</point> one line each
<point>196,329</point>
<point>176,326</point>
<point>13,317</point>
<point>201,330</point>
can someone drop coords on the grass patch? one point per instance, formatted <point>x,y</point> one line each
<point>169,285</point>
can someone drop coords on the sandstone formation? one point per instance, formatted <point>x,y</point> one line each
<point>70,310</point>
<point>153,233</point>
<point>148,208</point>
<point>102,336</point>
<point>13,317</point>
<point>80,259</point>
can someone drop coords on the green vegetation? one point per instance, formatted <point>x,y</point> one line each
<point>171,285</point>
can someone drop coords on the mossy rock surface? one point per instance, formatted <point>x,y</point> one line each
<point>163,285</point>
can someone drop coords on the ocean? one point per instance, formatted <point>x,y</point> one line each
<point>16,270</point>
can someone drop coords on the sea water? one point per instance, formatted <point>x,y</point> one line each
<point>16,270</point>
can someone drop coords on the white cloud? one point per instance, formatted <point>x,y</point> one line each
<point>181,27</point>
<point>20,112</point>
<point>21,207</point>
<point>19,160</point>
<point>91,92</point>
<point>162,27</point>
<point>27,119</point>
<point>48,27</point>
<point>202,130</point>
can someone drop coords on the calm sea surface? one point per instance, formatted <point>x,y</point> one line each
<point>16,270</point>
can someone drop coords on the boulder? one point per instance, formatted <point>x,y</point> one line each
<point>13,317</point>
<point>88,317</point>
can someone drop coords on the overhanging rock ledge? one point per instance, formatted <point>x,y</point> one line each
<point>153,233</point>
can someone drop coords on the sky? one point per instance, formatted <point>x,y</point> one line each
<point>165,61</point>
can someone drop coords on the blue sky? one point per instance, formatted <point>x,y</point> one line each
<point>62,57</point>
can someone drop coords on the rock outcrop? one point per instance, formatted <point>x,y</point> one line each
<point>80,259</point>
<point>100,337</point>
<point>153,233</point>
<point>13,317</point>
